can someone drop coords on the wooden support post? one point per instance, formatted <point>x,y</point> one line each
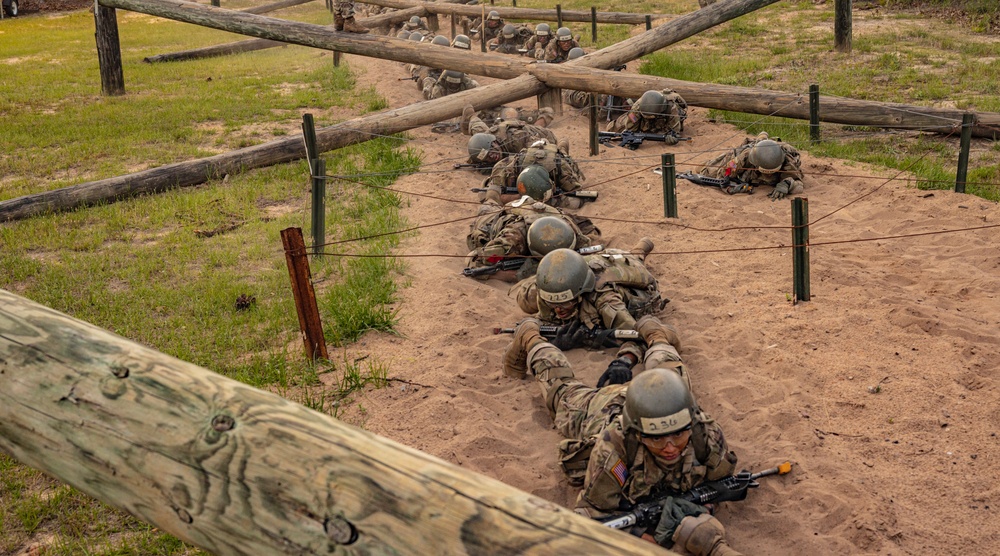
<point>216,3</point>
<point>513,3</point>
<point>482,28</point>
<point>842,26</point>
<point>454,27</point>
<point>814,113</point>
<point>433,23</point>
<point>236,470</point>
<point>336,58</point>
<point>109,52</point>
<point>968,121</point>
<point>465,27</point>
<point>305,296</point>
<point>668,171</point>
<point>593,23</point>
<point>309,137</point>
<point>649,22</point>
<point>318,167</point>
<point>595,148</point>
<point>551,98</point>
<point>559,15</point>
<point>800,249</point>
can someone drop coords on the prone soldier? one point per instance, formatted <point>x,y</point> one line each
<point>761,161</point>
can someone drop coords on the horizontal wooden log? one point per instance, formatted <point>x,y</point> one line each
<point>237,47</point>
<point>533,14</point>
<point>274,7</point>
<point>236,470</point>
<point>773,103</point>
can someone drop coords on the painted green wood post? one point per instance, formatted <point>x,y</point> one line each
<point>667,171</point>
<point>649,22</point>
<point>559,15</point>
<point>968,120</point>
<point>309,138</point>
<point>594,145</point>
<point>814,113</point>
<point>593,23</point>
<point>800,248</point>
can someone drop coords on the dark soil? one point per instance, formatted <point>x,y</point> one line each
<point>36,6</point>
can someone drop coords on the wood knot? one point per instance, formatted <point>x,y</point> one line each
<point>223,423</point>
<point>340,531</point>
<point>184,515</point>
<point>119,371</point>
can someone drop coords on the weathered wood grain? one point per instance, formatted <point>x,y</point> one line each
<point>236,470</point>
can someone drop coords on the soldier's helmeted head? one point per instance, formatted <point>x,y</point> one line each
<point>562,277</point>
<point>493,19</point>
<point>565,38</point>
<point>508,31</point>
<point>440,40</point>
<point>452,79</point>
<point>403,34</point>
<point>659,408</point>
<point>575,53</point>
<point>415,21</point>
<point>416,36</point>
<point>484,148</point>
<point>767,156</point>
<point>549,233</point>
<point>651,104</point>
<point>535,182</point>
<point>462,41</point>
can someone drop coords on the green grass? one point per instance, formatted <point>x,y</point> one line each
<point>145,268</point>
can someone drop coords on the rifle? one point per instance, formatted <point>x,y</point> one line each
<point>727,184</point>
<point>729,489</point>
<point>502,264</point>
<point>474,165</point>
<point>558,192</point>
<point>550,331</point>
<point>632,139</point>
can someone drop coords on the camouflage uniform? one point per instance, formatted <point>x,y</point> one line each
<point>736,164</point>
<point>624,291</point>
<point>512,135</point>
<point>502,231</point>
<point>498,114</point>
<point>556,55</point>
<point>536,48</point>
<point>673,121</point>
<point>563,171</point>
<point>608,106</point>
<point>344,8</point>
<point>502,45</point>
<point>596,444</point>
<point>420,74</point>
<point>437,88</point>
<point>491,31</point>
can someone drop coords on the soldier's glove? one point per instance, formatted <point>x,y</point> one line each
<point>671,139</point>
<point>674,510</point>
<point>619,372</point>
<point>570,336</point>
<point>782,189</point>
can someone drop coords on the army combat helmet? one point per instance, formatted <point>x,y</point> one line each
<point>508,31</point>
<point>440,40</point>
<point>462,41</point>
<point>563,275</point>
<point>575,53</point>
<point>481,146</point>
<point>415,20</point>
<point>651,104</point>
<point>549,233</point>
<point>535,182</point>
<point>657,403</point>
<point>452,78</point>
<point>767,156</point>
<point>543,30</point>
<point>564,34</point>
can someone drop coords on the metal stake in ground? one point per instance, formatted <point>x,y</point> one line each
<point>594,144</point>
<point>968,120</point>
<point>302,291</point>
<point>814,113</point>
<point>800,249</point>
<point>668,171</point>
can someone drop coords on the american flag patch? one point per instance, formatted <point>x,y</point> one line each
<point>620,472</point>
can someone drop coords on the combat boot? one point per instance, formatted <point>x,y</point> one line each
<point>545,117</point>
<point>643,248</point>
<point>352,26</point>
<point>467,113</point>
<point>515,358</point>
<point>338,22</point>
<point>563,145</point>
<point>653,330</point>
<point>703,536</point>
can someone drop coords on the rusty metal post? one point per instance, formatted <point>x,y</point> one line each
<point>302,290</point>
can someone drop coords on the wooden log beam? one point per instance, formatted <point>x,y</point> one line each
<point>248,45</point>
<point>522,13</point>
<point>236,470</point>
<point>773,103</point>
<point>274,7</point>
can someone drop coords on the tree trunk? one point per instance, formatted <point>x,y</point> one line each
<point>248,45</point>
<point>236,470</point>
<point>532,14</point>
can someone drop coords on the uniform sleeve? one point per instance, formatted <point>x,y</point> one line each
<point>606,476</point>
<point>614,313</point>
<point>527,296</point>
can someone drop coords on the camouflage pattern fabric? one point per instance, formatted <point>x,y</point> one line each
<point>438,88</point>
<point>344,8</point>
<point>536,48</point>
<point>564,172</point>
<point>513,135</point>
<point>556,54</point>
<point>502,231</point>
<point>673,121</point>
<point>736,164</point>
